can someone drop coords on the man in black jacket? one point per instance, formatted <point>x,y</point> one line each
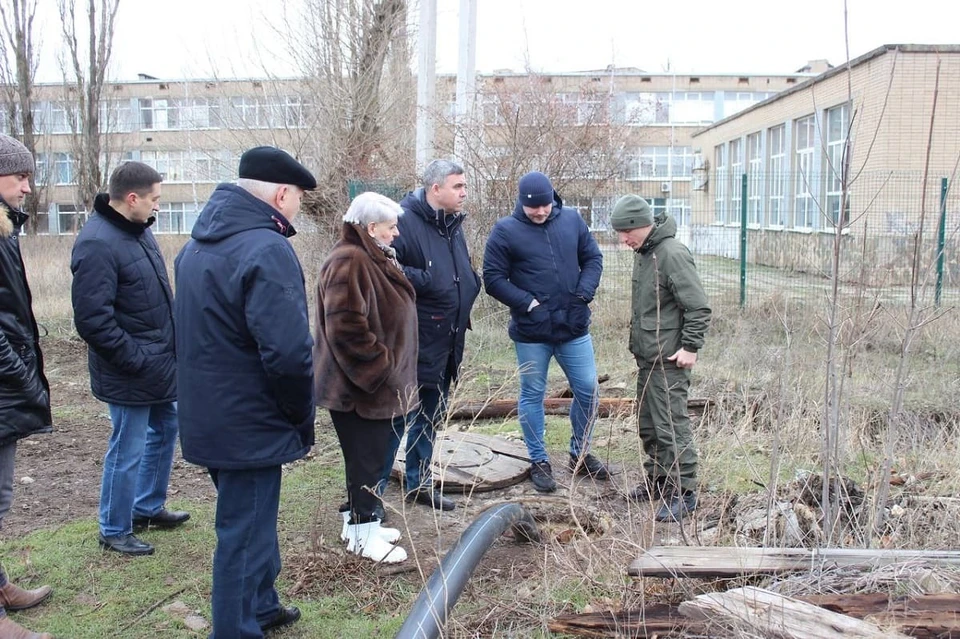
<point>24,391</point>
<point>433,252</point>
<point>123,310</point>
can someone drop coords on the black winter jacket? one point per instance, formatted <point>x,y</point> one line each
<point>123,309</point>
<point>245,367</point>
<point>24,391</point>
<point>433,252</point>
<point>558,263</point>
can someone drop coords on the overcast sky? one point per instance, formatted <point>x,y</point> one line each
<point>190,38</point>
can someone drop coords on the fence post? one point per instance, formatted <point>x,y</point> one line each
<point>941,240</point>
<point>743,241</point>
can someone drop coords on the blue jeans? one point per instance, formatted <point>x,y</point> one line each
<point>136,468</point>
<point>576,359</point>
<point>420,437</point>
<point>247,559</point>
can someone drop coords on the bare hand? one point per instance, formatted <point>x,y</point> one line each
<point>683,358</point>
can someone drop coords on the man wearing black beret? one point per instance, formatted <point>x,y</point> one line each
<point>245,376</point>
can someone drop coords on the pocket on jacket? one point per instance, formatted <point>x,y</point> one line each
<point>536,324</point>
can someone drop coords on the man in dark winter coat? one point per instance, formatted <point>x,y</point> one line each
<point>669,320</point>
<point>24,391</point>
<point>245,373</point>
<point>543,263</point>
<point>123,310</point>
<point>433,252</point>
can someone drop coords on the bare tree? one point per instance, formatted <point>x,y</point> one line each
<point>89,73</point>
<point>577,138</point>
<point>18,44</point>
<point>354,56</point>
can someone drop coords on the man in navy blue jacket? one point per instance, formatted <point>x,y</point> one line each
<point>543,263</point>
<point>245,373</point>
<point>123,310</point>
<point>433,252</point>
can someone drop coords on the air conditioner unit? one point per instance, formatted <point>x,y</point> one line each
<point>664,187</point>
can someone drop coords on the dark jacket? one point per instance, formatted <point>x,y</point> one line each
<point>670,308</point>
<point>24,391</point>
<point>433,252</point>
<point>123,309</point>
<point>558,263</point>
<point>244,365</point>
<point>365,355</point>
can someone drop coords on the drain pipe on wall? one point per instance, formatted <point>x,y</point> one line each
<point>445,586</point>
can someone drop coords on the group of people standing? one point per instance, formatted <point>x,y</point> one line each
<point>230,366</point>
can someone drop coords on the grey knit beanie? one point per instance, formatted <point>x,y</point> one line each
<point>14,157</point>
<point>631,212</point>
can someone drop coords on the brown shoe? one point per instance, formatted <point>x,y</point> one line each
<point>13,597</point>
<point>10,629</point>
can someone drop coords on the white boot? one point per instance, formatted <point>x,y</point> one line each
<point>365,540</point>
<point>390,535</point>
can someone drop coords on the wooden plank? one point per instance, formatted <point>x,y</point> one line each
<point>921,617</point>
<point>700,561</point>
<point>655,620</point>
<point>773,615</point>
<point>507,408</point>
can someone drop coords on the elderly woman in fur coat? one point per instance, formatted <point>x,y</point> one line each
<point>365,360</point>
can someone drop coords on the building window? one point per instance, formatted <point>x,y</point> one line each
<point>720,179</point>
<point>735,102</point>
<point>755,179</point>
<point>736,175</point>
<point>776,139</point>
<point>838,125</point>
<point>664,162</point>
<point>646,108</point>
<point>595,211</point>
<point>680,210</point>
<point>62,119</point>
<point>71,220</point>
<point>805,206</point>
<point>692,107</point>
<point>116,116</point>
<point>178,114</point>
<point>176,217</point>
<point>55,168</point>
<point>183,166</point>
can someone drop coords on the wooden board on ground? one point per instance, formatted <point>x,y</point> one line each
<point>773,615</point>
<point>507,408</point>
<point>700,561</point>
<point>471,462</point>
<point>655,620</point>
<point>922,617</point>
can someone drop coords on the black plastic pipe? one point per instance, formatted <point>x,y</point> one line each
<point>445,586</point>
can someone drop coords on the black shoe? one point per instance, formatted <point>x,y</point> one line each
<point>163,519</point>
<point>677,506</point>
<point>589,466</point>
<point>542,477</point>
<point>285,617</point>
<point>650,490</point>
<point>430,497</point>
<point>126,544</point>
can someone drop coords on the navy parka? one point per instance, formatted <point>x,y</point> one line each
<point>245,367</point>
<point>433,252</point>
<point>558,263</point>
<point>123,309</point>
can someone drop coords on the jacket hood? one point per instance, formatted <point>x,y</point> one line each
<point>231,210</point>
<point>416,203</point>
<point>557,205</point>
<point>664,226</point>
<point>101,204</point>
<point>10,219</point>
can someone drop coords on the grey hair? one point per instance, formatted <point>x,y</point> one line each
<point>438,171</point>
<point>372,208</point>
<point>259,189</point>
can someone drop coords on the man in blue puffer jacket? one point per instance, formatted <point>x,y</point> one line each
<point>123,310</point>
<point>543,263</point>
<point>245,373</point>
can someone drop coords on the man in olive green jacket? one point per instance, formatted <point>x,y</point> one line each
<point>669,320</point>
